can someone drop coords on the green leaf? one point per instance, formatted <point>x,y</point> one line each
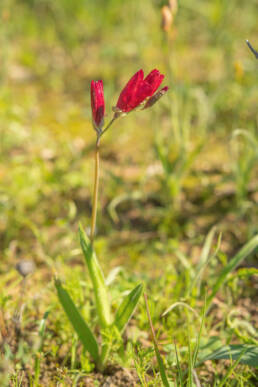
<point>206,249</point>
<point>246,250</point>
<point>126,309</point>
<point>42,327</point>
<point>204,260</point>
<point>161,365</point>
<point>249,354</point>
<point>98,281</point>
<point>82,329</point>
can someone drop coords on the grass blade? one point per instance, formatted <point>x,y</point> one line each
<point>204,260</point>
<point>38,356</point>
<point>97,278</point>
<point>190,361</point>
<point>197,346</point>
<point>42,327</point>
<point>206,248</point>
<point>179,371</point>
<point>82,329</point>
<point>159,358</point>
<point>246,250</point>
<point>179,303</point>
<point>127,308</point>
<point>231,369</point>
<point>248,353</point>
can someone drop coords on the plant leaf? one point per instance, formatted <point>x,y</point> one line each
<point>246,250</point>
<point>134,195</point>
<point>82,329</point>
<point>113,274</point>
<point>97,278</point>
<point>126,309</point>
<point>249,357</point>
<point>173,306</point>
<point>204,259</point>
<point>42,327</point>
<point>206,249</point>
<point>162,368</point>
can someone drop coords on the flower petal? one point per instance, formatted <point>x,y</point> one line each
<point>129,92</point>
<point>138,89</point>
<point>97,103</point>
<point>142,92</point>
<point>154,79</point>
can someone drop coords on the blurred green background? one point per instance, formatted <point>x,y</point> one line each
<point>171,171</point>
<point>168,174</point>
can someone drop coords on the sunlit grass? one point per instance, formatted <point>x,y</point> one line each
<point>168,176</point>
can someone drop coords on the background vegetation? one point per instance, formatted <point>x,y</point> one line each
<point>169,175</point>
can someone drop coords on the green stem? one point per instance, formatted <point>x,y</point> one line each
<point>95,191</point>
<point>37,369</point>
<point>104,354</point>
<point>108,125</point>
<point>96,180</point>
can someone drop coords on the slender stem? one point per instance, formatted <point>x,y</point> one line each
<point>150,321</point>
<point>95,191</point>
<point>19,311</point>
<point>104,354</point>
<point>96,180</point>
<point>108,125</point>
<point>37,369</point>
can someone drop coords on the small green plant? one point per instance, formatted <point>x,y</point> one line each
<point>138,92</point>
<point>244,148</point>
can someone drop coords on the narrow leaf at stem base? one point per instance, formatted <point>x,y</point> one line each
<point>98,281</point>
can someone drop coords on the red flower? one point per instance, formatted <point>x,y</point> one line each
<point>97,104</point>
<point>139,89</point>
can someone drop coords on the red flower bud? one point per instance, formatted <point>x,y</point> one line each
<point>97,104</point>
<point>138,89</point>
<point>152,100</point>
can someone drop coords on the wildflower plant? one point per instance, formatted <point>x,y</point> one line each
<point>140,93</point>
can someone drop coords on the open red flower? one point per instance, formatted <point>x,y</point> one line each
<point>97,104</point>
<point>139,89</point>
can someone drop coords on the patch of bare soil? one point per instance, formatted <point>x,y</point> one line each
<point>114,376</point>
